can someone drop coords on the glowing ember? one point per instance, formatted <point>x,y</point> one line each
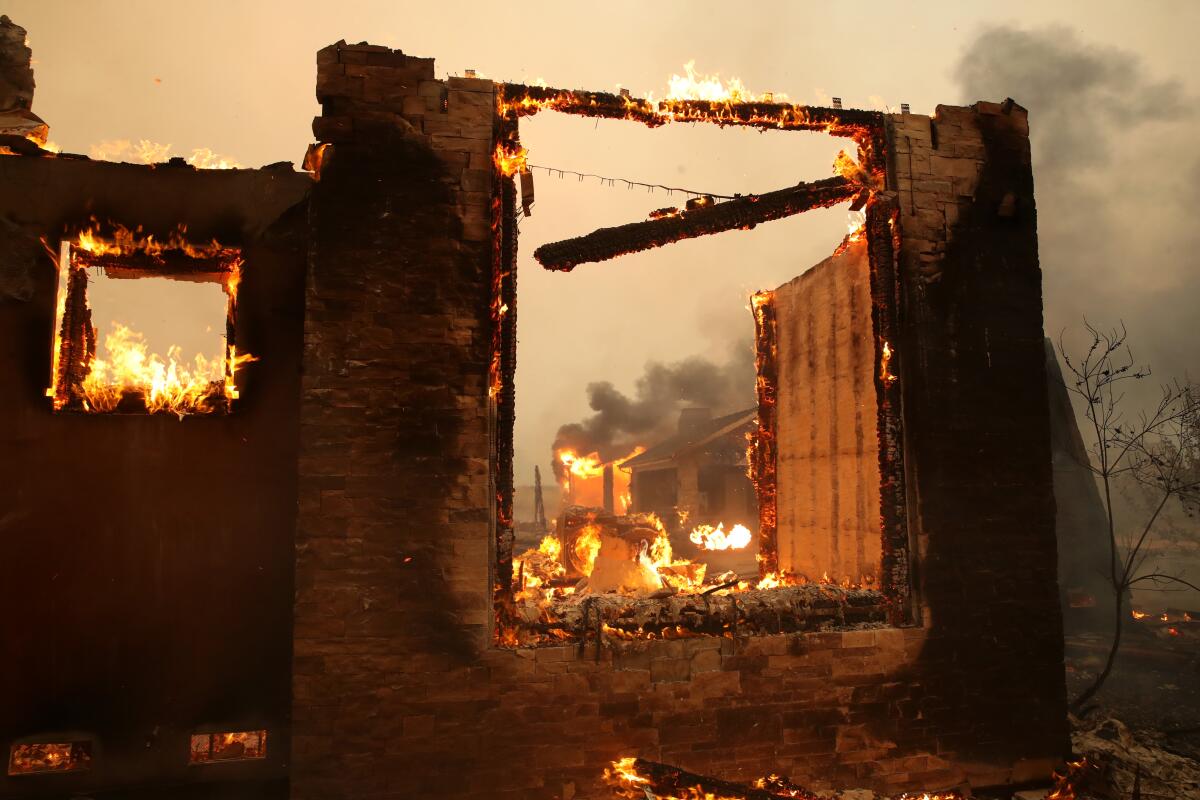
<point>885,361</point>
<point>709,538</point>
<point>30,759</point>
<point>207,748</point>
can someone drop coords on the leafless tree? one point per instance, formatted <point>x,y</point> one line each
<point>1158,448</point>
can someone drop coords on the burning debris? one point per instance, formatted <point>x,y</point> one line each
<point>609,578</point>
<point>129,378</point>
<point>208,748</point>
<point>38,757</point>
<point>639,779</point>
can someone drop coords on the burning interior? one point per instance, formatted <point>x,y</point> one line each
<point>603,575</point>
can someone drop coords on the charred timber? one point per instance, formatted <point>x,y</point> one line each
<point>522,100</point>
<point>742,213</point>
<point>664,780</point>
<point>169,264</point>
<point>77,340</point>
<point>787,609</point>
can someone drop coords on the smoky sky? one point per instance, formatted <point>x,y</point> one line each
<point>621,421</point>
<point>1117,178</point>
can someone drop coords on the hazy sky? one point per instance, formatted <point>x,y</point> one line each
<point>1110,92</point>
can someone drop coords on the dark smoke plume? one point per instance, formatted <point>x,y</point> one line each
<point>622,421</point>
<point>1117,172</point>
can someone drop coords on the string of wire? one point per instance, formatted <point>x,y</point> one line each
<point>629,184</point>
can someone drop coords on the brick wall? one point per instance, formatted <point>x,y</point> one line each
<point>398,692</point>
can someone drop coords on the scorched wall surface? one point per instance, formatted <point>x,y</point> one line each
<point>146,562</point>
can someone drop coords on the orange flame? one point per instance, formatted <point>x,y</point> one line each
<point>709,538</point>
<point>511,158</point>
<point>885,362</point>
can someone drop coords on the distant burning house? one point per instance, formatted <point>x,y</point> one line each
<point>698,475</point>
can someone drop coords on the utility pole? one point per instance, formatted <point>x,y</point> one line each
<point>539,505</point>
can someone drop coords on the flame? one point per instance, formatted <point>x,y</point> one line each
<point>588,466</point>
<point>166,384</point>
<point>624,771</point>
<point>709,538</point>
<point>127,241</point>
<point>586,548</point>
<point>693,85</point>
<point>510,158</point>
<point>1139,614</point>
<point>885,361</point>
<point>771,580</point>
<point>145,151</point>
<point>550,547</point>
<point>1066,781</point>
<point>1164,617</point>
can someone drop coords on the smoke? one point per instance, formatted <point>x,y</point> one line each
<point>622,421</point>
<point>1117,178</point>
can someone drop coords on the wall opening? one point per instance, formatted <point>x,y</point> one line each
<point>634,584</point>
<point>217,748</point>
<point>104,364</point>
<point>36,758</point>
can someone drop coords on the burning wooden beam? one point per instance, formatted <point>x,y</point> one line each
<point>637,778</point>
<point>521,100</point>
<point>741,213</point>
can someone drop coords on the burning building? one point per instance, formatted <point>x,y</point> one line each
<point>700,474</point>
<point>291,573</point>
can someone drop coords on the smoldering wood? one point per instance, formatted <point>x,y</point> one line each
<point>741,213</point>
<point>77,340</point>
<point>666,780</point>
<point>785,609</point>
<point>170,264</point>
<point>606,105</point>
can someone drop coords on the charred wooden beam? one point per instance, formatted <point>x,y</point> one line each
<point>664,780</point>
<point>522,100</point>
<point>741,213</point>
<point>168,264</point>
<point>77,340</point>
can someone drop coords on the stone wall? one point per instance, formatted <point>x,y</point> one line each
<point>826,440</point>
<point>398,689</point>
<point>392,547</point>
<point>976,427</point>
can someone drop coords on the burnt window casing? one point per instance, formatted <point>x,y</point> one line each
<point>124,376</point>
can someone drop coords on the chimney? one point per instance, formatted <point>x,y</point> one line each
<point>692,420</point>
